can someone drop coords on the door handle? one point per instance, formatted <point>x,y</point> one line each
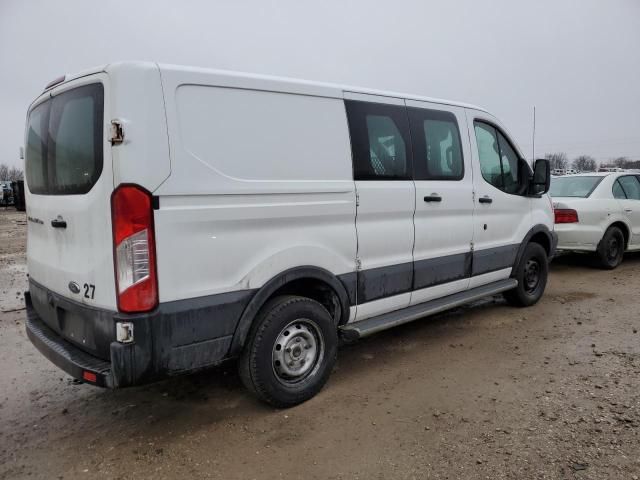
<point>485,199</point>
<point>58,223</point>
<point>434,197</point>
<point>628,210</point>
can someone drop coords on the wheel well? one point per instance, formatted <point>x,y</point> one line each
<point>542,239</point>
<point>314,289</point>
<point>625,231</point>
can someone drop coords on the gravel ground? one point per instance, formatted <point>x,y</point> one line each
<point>487,391</point>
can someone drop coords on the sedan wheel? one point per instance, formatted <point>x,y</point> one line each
<point>611,248</point>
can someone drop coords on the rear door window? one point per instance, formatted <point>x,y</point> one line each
<point>618,192</point>
<point>575,186</point>
<point>630,186</point>
<point>68,159</point>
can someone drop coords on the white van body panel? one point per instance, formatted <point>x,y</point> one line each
<point>385,235</point>
<point>261,182</point>
<point>137,102</point>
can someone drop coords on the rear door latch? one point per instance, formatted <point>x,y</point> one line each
<point>117,132</point>
<point>59,222</point>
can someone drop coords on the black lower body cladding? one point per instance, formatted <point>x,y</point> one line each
<point>187,335</point>
<point>177,337</point>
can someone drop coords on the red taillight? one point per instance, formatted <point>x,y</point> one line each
<point>134,249</point>
<point>89,376</point>
<point>565,215</point>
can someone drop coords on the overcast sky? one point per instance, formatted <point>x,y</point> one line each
<point>578,61</point>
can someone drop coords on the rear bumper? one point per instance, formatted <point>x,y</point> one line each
<point>63,354</point>
<point>576,236</point>
<point>177,337</point>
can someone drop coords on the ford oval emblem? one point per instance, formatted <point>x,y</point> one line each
<point>74,287</point>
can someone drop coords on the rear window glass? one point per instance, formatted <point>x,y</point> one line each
<point>573,186</point>
<point>64,142</point>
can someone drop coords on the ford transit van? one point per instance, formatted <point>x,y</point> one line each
<point>179,217</point>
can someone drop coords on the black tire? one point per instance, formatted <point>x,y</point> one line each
<point>531,273</point>
<point>281,377</point>
<point>611,248</point>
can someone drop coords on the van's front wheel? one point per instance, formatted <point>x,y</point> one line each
<point>290,352</point>
<point>531,274</point>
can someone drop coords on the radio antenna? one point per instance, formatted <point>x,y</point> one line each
<point>534,134</point>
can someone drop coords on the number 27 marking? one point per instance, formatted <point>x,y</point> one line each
<point>89,290</point>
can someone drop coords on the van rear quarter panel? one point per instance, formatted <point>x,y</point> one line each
<point>261,182</point>
<point>137,102</point>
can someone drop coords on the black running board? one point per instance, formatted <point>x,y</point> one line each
<point>355,330</point>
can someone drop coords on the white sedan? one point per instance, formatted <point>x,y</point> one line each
<point>598,212</point>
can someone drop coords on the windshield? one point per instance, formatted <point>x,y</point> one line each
<point>64,142</point>
<point>573,186</point>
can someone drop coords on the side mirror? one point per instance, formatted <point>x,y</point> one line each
<point>541,180</point>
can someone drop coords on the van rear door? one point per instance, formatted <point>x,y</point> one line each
<point>69,183</point>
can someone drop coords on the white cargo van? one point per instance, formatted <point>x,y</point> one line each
<point>179,217</point>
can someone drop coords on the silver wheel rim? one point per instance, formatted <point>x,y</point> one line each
<point>298,351</point>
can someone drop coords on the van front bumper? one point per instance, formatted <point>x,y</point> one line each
<point>177,337</point>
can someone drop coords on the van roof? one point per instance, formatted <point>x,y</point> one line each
<point>281,83</point>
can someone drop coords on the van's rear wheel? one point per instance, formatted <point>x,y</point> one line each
<point>531,274</point>
<point>611,248</point>
<point>290,352</point>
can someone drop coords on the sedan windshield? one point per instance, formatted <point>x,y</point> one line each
<point>573,186</point>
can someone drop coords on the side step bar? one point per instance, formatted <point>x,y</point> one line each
<point>363,328</point>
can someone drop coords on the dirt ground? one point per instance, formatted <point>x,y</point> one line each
<point>485,392</point>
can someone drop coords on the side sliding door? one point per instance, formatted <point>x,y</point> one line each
<point>381,148</point>
<point>443,219</point>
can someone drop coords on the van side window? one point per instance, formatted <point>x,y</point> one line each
<point>630,186</point>
<point>488,154</point>
<point>499,162</point>
<point>379,141</point>
<point>509,165</point>
<point>437,148</point>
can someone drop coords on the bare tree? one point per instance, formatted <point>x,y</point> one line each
<point>10,174</point>
<point>620,162</point>
<point>557,160</point>
<point>585,163</point>
<point>15,174</point>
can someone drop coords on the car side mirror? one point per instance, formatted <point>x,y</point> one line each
<point>541,180</point>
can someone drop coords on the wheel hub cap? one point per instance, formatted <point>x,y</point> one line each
<point>531,275</point>
<point>613,248</point>
<point>297,351</point>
